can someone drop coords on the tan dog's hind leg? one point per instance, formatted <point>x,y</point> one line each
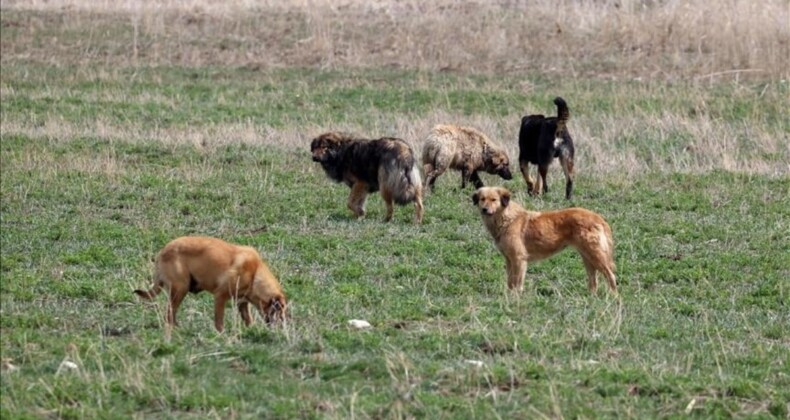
<point>524,166</point>
<point>175,297</point>
<point>611,279</point>
<point>246,315</point>
<point>356,200</point>
<point>598,258</point>
<point>592,275</point>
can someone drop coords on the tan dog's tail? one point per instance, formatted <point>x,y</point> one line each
<point>563,114</point>
<point>149,294</point>
<point>607,236</point>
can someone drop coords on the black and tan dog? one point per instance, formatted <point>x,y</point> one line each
<point>367,166</point>
<point>541,140</point>
<point>465,149</point>
<point>195,263</point>
<point>524,236</point>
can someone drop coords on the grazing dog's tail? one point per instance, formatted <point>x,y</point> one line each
<point>563,114</point>
<point>149,294</point>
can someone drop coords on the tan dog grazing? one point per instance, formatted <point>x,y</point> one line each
<point>194,264</point>
<point>524,236</point>
<point>465,149</point>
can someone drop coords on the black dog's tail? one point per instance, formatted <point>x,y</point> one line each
<point>563,114</point>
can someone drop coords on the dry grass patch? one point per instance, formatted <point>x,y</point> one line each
<point>612,39</point>
<point>627,145</point>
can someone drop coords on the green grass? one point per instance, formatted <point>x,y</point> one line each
<point>702,262</point>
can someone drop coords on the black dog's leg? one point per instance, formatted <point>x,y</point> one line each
<point>524,166</point>
<point>542,171</point>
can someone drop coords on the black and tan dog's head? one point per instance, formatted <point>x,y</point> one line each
<point>326,146</point>
<point>491,200</point>
<point>497,163</point>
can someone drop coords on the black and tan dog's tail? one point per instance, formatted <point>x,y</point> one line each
<point>401,175</point>
<point>405,182</point>
<point>149,294</point>
<point>563,114</point>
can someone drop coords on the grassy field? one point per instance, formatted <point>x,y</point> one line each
<point>109,151</point>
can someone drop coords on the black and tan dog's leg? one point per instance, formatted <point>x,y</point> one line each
<point>524,166</point>
<point>567,167</point>
<point>356,200</point>
<point>386,194</point>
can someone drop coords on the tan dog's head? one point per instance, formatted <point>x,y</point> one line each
<point>267,295</point>
<point>497,163</point>
<point>275,310</point>
<point>491,200</point>
<point>325,146</point>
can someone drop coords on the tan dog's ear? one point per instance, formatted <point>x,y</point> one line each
<point>504,197</point>
<point>475,198</point>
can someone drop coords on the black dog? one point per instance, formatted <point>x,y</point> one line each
<point>542,139</point>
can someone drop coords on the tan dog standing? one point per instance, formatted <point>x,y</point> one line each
<point>194,264</point>
<point>524,236</point>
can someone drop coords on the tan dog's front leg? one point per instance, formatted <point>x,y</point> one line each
<point>516,269</point>
<point>219,311</point>
<point>246,315</point>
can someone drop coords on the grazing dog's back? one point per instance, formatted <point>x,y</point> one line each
<point>465,149</point>
<point>192,264</point>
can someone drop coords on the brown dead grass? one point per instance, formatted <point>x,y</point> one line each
<point>713,144</point>
<point>647,39</point>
